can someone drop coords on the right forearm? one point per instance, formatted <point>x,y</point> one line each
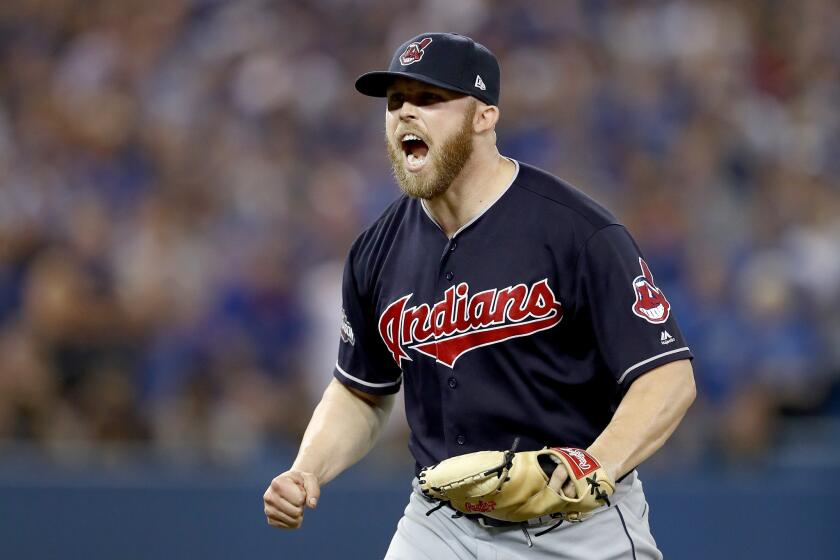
<point>343,428</point>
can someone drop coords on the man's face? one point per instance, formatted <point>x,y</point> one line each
<point>428,131</point>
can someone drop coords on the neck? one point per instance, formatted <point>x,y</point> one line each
<point>483,179</point>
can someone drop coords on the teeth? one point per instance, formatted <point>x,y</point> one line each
<point>408,137</point>
<point>656,313</point>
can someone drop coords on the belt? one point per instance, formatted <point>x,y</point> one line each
<point>491,522</point>
<point>485,521</point>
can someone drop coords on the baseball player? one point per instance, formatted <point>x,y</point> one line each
<point>511,307</point>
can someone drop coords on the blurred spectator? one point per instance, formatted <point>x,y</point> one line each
<point>180,181</point>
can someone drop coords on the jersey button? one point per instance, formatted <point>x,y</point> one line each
<point>453,382</point>
<point>453,245</point>
<point>460,440</point>
<point>450,275</point>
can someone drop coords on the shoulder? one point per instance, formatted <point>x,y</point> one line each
<point>551,194</point>
<point>373,244</point>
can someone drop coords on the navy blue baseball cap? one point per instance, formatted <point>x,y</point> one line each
<point>446,60</point>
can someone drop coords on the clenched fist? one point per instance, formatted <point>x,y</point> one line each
<point>286,497</point>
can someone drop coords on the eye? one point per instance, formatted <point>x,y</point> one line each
<point>395,101</point>
<point>428,98</point>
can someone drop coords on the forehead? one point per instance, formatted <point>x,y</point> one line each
<point>408,85</point>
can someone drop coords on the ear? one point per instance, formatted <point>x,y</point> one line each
<point>486,117</point>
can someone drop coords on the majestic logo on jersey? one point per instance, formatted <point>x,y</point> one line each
<point>459,323</point>
<point>651,304</point>
<point>414,52</point>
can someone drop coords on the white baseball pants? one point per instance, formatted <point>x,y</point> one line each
<point>620,531</point>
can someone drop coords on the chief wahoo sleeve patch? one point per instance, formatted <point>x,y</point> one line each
<point>650,304</point>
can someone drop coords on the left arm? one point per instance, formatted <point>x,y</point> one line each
<point>648,414</point>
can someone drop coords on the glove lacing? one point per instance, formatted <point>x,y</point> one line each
<point>595,490</point>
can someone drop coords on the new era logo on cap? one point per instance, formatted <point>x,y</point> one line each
<point>479,83</point>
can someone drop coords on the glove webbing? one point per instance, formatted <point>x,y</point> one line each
<point>506,465</point>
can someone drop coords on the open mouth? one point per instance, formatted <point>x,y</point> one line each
<point>415,150</point>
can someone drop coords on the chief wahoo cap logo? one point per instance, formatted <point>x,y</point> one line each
<point>414,52</point>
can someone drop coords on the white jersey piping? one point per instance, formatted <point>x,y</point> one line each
<point>366,383</point>
<point>643,362</point>
<point>480,214</point>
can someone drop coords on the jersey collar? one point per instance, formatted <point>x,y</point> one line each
<point>482,212</point>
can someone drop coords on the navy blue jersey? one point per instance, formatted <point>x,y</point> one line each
<point>532,321</point>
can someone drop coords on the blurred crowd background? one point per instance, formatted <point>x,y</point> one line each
<point>180,181</point>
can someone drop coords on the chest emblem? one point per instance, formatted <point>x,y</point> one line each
<point>461,322</point>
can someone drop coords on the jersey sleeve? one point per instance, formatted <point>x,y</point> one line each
<point>631,319</point>
<point>363,361</point>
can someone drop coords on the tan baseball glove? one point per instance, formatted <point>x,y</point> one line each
<point>512,486</point>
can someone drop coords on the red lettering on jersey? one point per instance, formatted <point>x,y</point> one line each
<point>459,323</point>
<point>541,299</point>
<point>462,319</point>
<point>481,309</point>
<point>418,321</point>
<point>509,304</point>
<point>440,314</point>
<point>389,328</point>
<point>449,350</point>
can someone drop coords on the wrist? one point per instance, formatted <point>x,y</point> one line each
<point>612,468</point>
<point>309,467</point>
<point>302,466</point>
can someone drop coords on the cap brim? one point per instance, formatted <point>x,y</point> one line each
<point>375,84</point>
